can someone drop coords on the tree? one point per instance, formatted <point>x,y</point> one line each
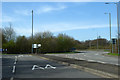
<point>9,33</point>
<point>22,45</point>
<point>46,40</point>
<point>10,46</point>
<point>64,43</point>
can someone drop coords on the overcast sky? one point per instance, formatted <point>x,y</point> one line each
<point>80,20</point>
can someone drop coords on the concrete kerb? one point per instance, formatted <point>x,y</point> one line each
<point>93,71</point>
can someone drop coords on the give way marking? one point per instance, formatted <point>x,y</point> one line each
<point>47,66</point>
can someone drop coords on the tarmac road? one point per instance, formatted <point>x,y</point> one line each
<point>28,66</point>
<point>91,56</point>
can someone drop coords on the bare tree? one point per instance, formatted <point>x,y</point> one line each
<point>9,33</point>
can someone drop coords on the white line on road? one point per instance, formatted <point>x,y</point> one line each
<point>16,58</point>
<point>82,59</point>
<point>91,60</point>
<point>15,62</point>
<point>96,54</point>
<point>101,62</point>
<point>11,78</point>
<point>13,71</point>
<point>117,64</point>
<point>81,53</point>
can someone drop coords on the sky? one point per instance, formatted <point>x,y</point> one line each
<point>80,20</point>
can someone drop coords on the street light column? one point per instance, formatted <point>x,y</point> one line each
<point>32,31</point>
<point>110,25</point>
<point>110,32</point>
<point>118,27</point>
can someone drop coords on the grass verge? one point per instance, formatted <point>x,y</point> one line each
<point>113,54</point>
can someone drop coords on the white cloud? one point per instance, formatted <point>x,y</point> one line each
<point>66,27</point>
<point>23,12</point>
<point>23,31</point>
<point>39,10</point>
<point>46,9</point>
<point>7,19</point>
<point>57,28</point>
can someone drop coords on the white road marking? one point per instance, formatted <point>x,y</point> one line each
<point>15,56</point>
<point>81,53</point>
<point>49,66</point>
<point>13,71</point>
<point>15,59</point>
<point>91,60</point>
<point>37,67</point>
<point>117,64</point>
<point>106,52</point>
<point>11,78</point>
<point>20,56</point>
<point>24,55</point>
<point>82,59</point>
<point>96,54</point>
<point>15,62</point>
<point>101,62</point>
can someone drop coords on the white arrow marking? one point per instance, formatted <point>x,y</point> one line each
<point>49,66</point>
<point>37,67</point>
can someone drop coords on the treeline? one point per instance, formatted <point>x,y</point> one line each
<point>49,43</point>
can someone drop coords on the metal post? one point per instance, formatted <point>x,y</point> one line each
<point>97,41</point>
<point>110,31</point>
<point>110,24</point>
<point>118,27</point>
<point>117,24</point>
<point>90,44</point>
<point>115,45</point>
<point>112,48</point>
<point>32,31</point>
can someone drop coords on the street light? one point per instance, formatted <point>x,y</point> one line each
<point>32,31</point>
<point>110,27</point>
<point>117,23</point>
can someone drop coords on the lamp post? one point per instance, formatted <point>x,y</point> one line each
<point>32,31</point>
<point>110,29</point>
<point>117,24</point>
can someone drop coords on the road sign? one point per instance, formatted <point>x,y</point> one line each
<point>114,41</point>
<point>34,45</point>
<point>39,45</point>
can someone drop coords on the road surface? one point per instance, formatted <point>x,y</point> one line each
<point>28,66</point>
<point>92,56</point>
